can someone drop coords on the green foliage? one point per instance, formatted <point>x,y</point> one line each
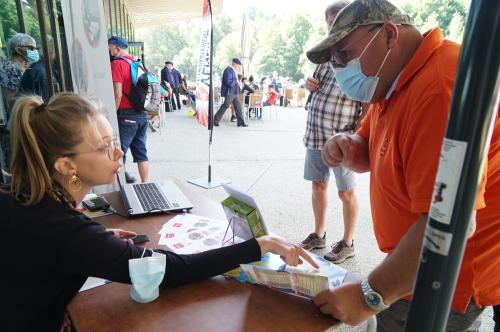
<point>296,36</point>
<point>449,15</point>
<point>8,22</point>
<point>161,43</point>
<point>186,62</point>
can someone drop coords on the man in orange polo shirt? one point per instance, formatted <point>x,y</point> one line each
<point>381,58</point>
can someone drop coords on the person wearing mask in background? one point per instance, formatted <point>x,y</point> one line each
<point>132,124</point>
<point>230,90</point>
<point>330,112</point>
<point>34,79</point>
<point>23,52</point>
<point>380,58</point>
<point>50,178</point>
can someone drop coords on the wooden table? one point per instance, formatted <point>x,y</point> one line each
<point>218,304</point>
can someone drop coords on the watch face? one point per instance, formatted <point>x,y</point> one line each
<point>373,300</point>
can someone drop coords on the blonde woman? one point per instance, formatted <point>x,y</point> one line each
<point>60,151</point>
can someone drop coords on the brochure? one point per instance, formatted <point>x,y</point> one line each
<point>303,280</point>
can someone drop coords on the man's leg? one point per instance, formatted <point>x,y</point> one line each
<point>143,167</point>
<point>496,317</point>
<point>127,127</point>
<point>177,97</point>
<point>316,171</point>
<point>394,318</point>
<point>138,147</point>
<point>345,184</point>
<point>237,110</point>
<point>350,213</point>
<point>319,204</point>
<point>220,113</point>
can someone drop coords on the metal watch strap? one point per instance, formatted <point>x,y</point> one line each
<point>369,293</point>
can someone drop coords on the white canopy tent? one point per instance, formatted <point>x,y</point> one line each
<point>155,12</point>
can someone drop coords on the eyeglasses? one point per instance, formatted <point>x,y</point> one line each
<point>31,47</point>
<point>110,148</point>
<point>341,58</point>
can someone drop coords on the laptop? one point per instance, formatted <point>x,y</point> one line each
<point>153,197</point>
<point>247,199</point>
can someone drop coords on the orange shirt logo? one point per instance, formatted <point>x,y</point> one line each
<point>384,147</point>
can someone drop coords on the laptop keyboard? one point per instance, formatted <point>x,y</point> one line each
<point>150,197</point>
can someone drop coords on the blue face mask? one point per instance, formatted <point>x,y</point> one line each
<point>32,56</point>
<point>354,83</point>
<point>146,274</point>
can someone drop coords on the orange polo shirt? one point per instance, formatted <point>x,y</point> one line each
<point>405,134</point>
<point>481,262</point>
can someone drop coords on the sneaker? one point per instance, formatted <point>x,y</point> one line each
<point>129,178</point>
<point>313,241</point>
<point>340,252</point>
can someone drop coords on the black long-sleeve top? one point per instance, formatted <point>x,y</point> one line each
<point>49,250</point>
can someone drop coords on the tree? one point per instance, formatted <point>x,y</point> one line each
<point>162,43</point>
<point>271,47</point>
<point>297,35</point>
<point>429,13</point>
<point>186,62</point>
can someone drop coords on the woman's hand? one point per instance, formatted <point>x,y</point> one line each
<point>122,234</point>
<point>291,253</point>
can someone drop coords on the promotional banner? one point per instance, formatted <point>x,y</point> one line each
<point>87,42</point>
<point>203,72</point>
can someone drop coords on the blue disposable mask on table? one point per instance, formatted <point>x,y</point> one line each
<point>32,56</point>
<point>354,83</point>
<point>146,274</point>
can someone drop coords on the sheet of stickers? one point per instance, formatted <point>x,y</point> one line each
<point>190,234</point>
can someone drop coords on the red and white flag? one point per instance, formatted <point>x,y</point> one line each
<point>203,72</point>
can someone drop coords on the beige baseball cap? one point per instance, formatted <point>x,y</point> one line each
<point>357,13</point>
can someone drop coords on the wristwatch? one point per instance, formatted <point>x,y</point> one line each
<point>373,299</point>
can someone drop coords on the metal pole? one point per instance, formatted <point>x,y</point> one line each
<point>20,16</point>
<point>460,168</point>
<point>210,96</point>
<point>43,35</point>
<point>57,41</point>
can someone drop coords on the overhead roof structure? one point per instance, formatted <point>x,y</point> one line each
<point>146,13</point>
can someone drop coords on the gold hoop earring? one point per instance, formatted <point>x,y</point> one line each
<point>75,184</point>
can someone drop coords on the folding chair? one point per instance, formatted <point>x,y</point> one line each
<point>255,102</point>
<point>301,95</point>
<point>244,107</point>
<point>288,95</point>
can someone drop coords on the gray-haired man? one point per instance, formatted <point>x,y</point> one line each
<point>330,112</point>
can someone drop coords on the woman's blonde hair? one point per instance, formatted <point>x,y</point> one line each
<point>40,134</point>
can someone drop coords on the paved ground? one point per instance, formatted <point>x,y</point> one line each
<point>265,159</point>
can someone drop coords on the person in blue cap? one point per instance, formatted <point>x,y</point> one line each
<point>132,124</point>
<point>230,90</point>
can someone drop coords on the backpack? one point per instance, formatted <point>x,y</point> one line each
<point>145,93</point>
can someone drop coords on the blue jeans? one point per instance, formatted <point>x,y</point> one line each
<point>133,127</point>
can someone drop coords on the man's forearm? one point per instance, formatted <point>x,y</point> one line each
<point>118,99</point>
<point>395,276</point>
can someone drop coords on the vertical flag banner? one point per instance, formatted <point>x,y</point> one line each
<point>203,72</point>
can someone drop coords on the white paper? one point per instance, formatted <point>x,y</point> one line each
<point>448,177</point>
<point>190,234</point>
